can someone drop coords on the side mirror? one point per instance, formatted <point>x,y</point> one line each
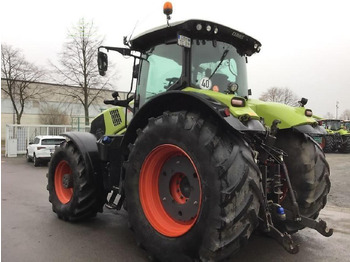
<point>102,62</point>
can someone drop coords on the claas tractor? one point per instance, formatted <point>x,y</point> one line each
<point>337,138</point>
<point>200,165</point>
<point>346,124</point>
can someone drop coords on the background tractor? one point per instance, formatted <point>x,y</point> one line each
<point>346,124</point>
<point>200,165</point>
<point>337,138</point>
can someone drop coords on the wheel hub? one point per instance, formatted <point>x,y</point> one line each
<point>179,188</point>
<point>67,181</point>
<point>63,182</point>
<point>170,190</point>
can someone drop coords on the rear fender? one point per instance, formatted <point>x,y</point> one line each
<point>288,115</point>
<point>190,101</point>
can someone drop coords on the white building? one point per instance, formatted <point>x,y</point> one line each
<point>54,96</point>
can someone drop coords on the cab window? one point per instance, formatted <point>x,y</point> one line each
<point>161,68</point>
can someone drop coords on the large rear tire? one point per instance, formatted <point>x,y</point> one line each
<point>73,192</point>
<point>329,144</point>
<point>345,147</point>
<point>191,189</point>
<point>309,174</point>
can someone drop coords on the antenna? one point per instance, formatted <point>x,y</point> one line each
<point>126,40</point>
<point>168,10</point>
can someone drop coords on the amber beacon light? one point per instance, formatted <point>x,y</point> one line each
<point>168,8</point>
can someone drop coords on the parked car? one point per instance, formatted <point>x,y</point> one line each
<point>42,148</point>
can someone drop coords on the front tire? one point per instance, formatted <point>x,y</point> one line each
<point>189,189</point>
<point>73,192</point>
<point>36,161</point>
<point>309,174</point>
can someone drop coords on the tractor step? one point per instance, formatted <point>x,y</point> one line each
<point>110,204</point>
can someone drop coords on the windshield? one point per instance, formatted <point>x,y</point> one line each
<point>217,66</point>
<point>332,125</point>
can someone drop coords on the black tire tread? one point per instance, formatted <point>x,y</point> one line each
<point>231,222</point>
<point>309,174</point>
<point>329,144</point>
<point>86,200</point>
<point>345,148</point>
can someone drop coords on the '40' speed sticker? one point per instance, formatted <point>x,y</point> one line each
<point>205,83</point>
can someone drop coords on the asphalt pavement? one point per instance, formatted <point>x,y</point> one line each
<point>30,231</point>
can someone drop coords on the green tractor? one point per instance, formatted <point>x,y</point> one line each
<point>200,166</point>
<point>337,138</point>
<point>346,124</point>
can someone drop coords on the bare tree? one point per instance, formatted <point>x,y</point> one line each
<point>78,65</point>
<point>53,115</point>
<point>20,77</point>
<point>346,115</point>
<point>329,115</point>
<point>280,95</point>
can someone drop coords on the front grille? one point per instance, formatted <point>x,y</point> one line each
<point>116,119</point>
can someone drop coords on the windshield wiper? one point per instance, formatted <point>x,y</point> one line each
<point>221,60</point>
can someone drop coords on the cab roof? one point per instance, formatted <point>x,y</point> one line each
<point>196,29</point>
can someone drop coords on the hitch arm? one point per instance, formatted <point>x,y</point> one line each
<point>320,226</point>
<point>284,239</point>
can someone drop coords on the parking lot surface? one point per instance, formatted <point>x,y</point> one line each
<point>30,231</point>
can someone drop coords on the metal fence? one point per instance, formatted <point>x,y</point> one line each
<point>19,136</point>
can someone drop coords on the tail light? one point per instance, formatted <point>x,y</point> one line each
<point>237,102</point>
<point>225,112</point>
<point>40,147</point>
<point>308,112</point>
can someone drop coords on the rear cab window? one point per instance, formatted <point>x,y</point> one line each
<point>50,141</point>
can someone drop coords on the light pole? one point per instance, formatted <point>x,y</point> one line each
<point>336,109</point>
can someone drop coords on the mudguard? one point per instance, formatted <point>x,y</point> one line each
<point>290,117</point>
<point>179,100</point>
<point>86,143</point>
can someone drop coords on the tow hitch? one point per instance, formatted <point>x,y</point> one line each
<point>320,225</point>
<point>272,159</point>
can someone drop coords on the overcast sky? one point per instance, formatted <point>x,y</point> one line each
<point>305,43</point>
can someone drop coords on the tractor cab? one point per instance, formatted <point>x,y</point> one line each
<point>332,124</point>
<point>194,53</point>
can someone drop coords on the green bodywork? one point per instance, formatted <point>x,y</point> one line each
<point>288,115</point>
<point>226,100</point>
<point>114,119</point>
<point>344,132</point>
<point>334,126</point>
<point>253,109</point>
<point>270,111</point>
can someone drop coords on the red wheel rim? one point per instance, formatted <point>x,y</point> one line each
<point>151,198</point>
<point>63,193</point>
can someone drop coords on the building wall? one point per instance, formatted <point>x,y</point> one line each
<point>53,95</point>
